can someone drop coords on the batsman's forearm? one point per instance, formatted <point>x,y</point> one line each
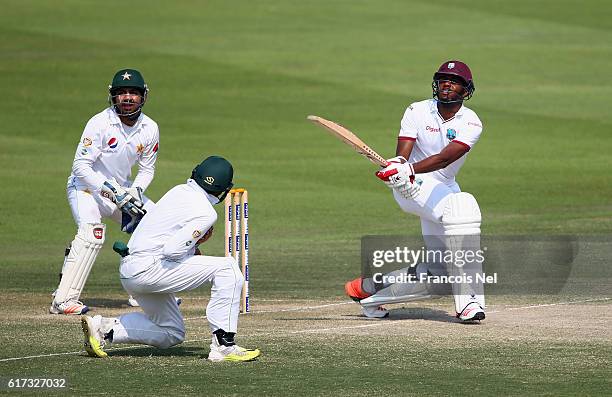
<point>447,156</point>
<point>430,164</point>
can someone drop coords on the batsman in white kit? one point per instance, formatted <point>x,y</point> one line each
<point>434,139</point>
<point>163,258</point>
<point>99,186</point>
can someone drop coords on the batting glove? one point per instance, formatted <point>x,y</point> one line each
<point>401,178</point>
<point>411,190</point>
<point>396,175</point>
<point>397,159</point>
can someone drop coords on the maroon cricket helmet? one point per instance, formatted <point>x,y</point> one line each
<point>455,68</point>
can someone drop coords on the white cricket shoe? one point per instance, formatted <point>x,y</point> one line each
<point>134,303</point>
<point>374,311</point>
<point>472,312</point>
<point>94,338</point>
<point>68,307</point>
<point>233,353</point>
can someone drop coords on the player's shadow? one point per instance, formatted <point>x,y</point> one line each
<point>413,313</point>
<point>421,313</point>
<point>107,303</point>
<point>177,351</point>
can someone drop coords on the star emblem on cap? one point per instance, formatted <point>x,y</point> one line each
<point>139,148</point>
<point>126,76</point>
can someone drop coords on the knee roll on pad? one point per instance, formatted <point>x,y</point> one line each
<point>461,215</point>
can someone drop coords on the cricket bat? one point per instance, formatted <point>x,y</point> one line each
<point>350,139</point>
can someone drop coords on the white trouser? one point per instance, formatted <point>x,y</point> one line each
<point>161,324</point>
<point>429,205</point>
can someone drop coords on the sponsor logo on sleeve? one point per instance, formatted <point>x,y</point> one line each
<point>140,148</point>
<point>112,143</point>
<point>451,134</point>
<point>475,124</point>
<point>196,234</point>
<point>86,142</point>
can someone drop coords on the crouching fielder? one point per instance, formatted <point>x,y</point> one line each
<point>435,136</point>
<point>163,258</point>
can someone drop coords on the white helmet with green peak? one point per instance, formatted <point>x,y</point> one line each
<point>127,78</point>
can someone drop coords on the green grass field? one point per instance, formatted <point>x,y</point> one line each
<point>238,79</point>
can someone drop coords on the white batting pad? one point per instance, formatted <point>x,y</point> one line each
<point>83,252</point>
<point>461,222</point>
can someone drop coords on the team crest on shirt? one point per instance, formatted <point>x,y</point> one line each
<point>451,134</point>
<point>112,143</point>
<point>196,234</point>
<point>86,141</point>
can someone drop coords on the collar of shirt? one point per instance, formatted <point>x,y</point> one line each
<point>193,184</point>
<point>433,108</point>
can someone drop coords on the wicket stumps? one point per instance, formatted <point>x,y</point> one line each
<point>237,237</point>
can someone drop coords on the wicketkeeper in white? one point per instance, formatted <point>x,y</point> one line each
<point>163,258</point>
<point>113,141</point>
<point>435,136</point>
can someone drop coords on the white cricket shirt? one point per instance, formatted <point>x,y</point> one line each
<point>109,149</point>
<point>171,228</point>
<point>423,124</point>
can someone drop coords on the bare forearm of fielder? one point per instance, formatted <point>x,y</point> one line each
<point>452,152</point>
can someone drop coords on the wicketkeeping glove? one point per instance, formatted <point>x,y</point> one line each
<point>128,200</point>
